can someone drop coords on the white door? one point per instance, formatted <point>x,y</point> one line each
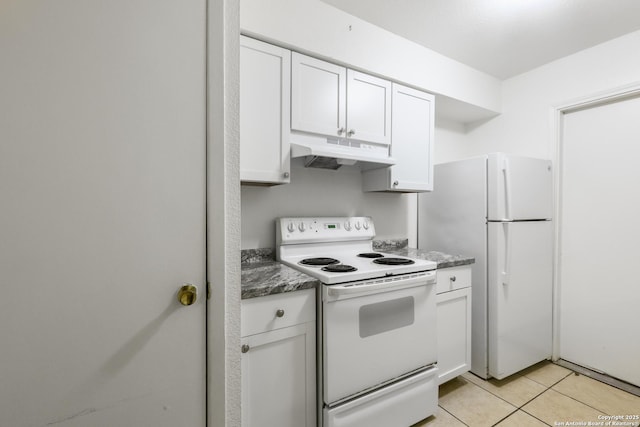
<point>519,188</point>
<point>519,295</point>
<point>318,96</point>
<point>368,108</point>
<point>102,182</point>
<point>600,231</point>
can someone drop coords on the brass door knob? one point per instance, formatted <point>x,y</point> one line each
<point>188,294</point>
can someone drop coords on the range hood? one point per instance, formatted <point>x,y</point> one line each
<point>332,153</point>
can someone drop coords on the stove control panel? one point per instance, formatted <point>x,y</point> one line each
<point>323,229</point>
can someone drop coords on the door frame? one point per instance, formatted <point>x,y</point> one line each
<point>223,208</point>
<point>557,113</point>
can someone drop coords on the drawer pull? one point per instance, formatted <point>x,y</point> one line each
<point>280,313</point>
<point>245,348</point>
<point>452,278</point>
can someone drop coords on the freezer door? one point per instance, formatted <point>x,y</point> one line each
<point>519,188</point>
<point>520,295</point>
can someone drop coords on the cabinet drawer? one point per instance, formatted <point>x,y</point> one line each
<point>450,279</point>
<point>262,314</point>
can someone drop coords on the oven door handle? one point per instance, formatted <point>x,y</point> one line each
<point>424,278</point>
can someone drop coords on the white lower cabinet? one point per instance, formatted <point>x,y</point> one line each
<point>453,303</point>
<point>279,362</point>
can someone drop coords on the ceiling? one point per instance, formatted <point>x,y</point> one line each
<point>501,37</point>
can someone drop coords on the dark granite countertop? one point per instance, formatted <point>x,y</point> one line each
<point>262,275</point>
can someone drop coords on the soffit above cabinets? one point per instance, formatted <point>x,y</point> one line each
<point>452,109</point>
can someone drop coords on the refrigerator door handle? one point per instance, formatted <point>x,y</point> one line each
<point>507,187</point>
<point>506,271</point>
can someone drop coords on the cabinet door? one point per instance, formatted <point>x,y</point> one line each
<point>318,96</point>
<point>278,378</point>
<point>368,108</point>
<point>412,147</point>
<point>412,114</point>
<point>454,333</point>
<point>265,82</point>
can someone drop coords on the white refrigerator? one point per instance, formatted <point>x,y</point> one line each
<point>498,208</point>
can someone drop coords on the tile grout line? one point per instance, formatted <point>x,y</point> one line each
<point>579,401</point>
<point>520,408</point>
<point>551,388</point>
<point>548,387</point>
<point>453,416</point>
<point>495,395</point>
<point>504,400</point>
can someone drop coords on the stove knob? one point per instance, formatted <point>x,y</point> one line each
<point>357,225</point>
<point>301,226</point>
<point>291,227</point>
<point>366,225</point>
<point>347,226</point>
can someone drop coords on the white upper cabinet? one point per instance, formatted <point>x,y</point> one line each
<point>368,108</point>
<point>265,110</point>
<point>412,127</point>
<point>331,100</point>
<point>319,95</point>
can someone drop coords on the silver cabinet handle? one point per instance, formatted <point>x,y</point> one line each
<point>395,183</point>
<point>340,131</point>
<point>245,348</point>
<point>452,278</point>
<point>286,174</point>
<point>351,132</point>
<point>279,312</point>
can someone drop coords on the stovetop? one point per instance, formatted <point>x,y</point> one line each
<point>317,246</point>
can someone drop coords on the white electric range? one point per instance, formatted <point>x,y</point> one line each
<point>376,322</point>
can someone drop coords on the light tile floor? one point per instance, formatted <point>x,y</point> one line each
<point>543,395</point>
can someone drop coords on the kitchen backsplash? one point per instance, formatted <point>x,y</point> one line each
<point>390,244</point>
<point>319,192</point>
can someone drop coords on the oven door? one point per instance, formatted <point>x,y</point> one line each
<point>377,331</point>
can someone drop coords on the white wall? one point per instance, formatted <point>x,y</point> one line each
<point>451,140</point>
<point>223,209</point>
<point>321,192</point>
<point>524,127</point>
